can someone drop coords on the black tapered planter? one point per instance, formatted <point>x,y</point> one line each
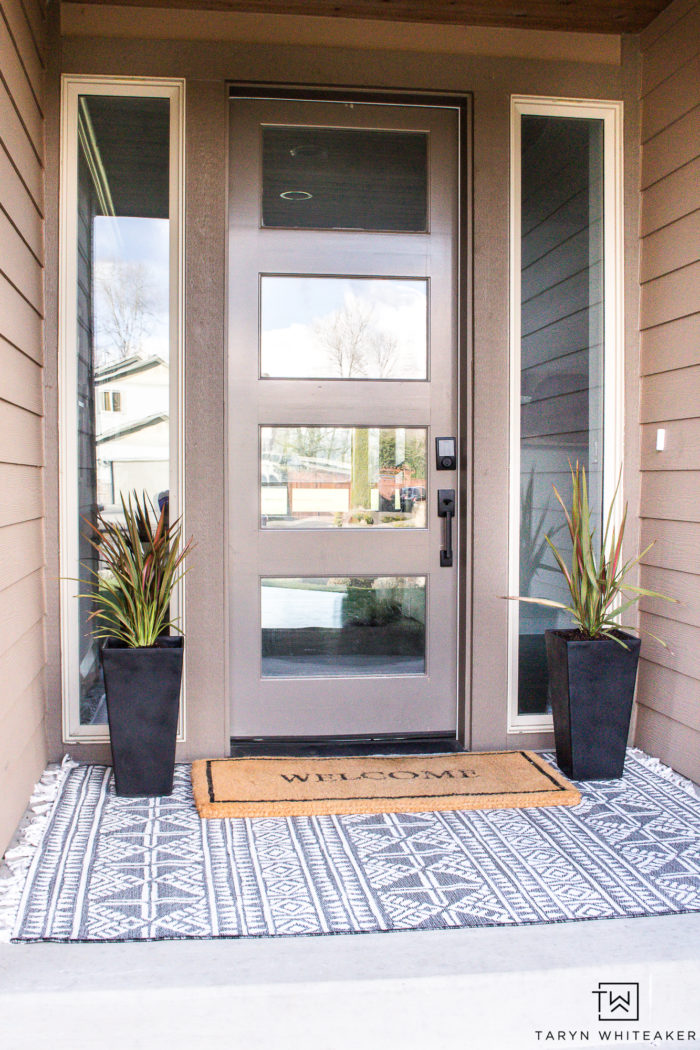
<point>143,699</point>
<point>591,689</point>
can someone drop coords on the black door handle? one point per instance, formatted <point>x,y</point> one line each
<point>446,510</point>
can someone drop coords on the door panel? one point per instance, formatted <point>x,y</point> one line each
<point>333,627</point>
<point>342,620</point>
<point>342,477</point>
<point>343,328</point>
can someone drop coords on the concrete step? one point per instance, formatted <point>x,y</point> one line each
<point>501,988</point>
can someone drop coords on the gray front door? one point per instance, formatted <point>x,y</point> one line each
<point>343,274</point>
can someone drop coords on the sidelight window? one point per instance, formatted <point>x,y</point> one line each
<point>119,339</point>
<point>565,356</point>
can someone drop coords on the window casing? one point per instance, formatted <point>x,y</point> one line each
<point>111,401</point>
<point>582,381</point>
<point>120,351</point>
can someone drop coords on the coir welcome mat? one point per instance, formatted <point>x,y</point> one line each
<point>286,787</point>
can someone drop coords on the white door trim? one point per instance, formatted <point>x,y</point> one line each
<point>611,113</point>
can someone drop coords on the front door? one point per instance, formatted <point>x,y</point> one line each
<point>343,271</point>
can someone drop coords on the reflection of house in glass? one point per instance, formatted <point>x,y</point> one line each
<point>318,488</point>
<point>318,477</point>
<point>132,429</point>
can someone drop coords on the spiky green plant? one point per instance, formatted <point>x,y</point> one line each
<point>598,591</point>
<point>141,563</point>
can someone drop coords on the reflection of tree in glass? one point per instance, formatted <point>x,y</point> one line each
<point>415,454</point>
<point>308,443</point>
<point>354,345</point>
<point>360,489</point>
<point>387,449</point>
<point>126,305</point>
<point>368,606</point>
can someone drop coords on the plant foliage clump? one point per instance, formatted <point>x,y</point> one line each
<point>598,591</point>
<point>141,563</point>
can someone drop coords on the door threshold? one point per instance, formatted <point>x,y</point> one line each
<point>346,746</point>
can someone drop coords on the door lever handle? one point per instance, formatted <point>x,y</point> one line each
<point>446,510</point>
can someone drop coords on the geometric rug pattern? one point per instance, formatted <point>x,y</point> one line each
<point>115,869</point>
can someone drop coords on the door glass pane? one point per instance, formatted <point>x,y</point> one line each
<point>343,328</point>
<point>342,477</point>
<point>345,179</point>
<point>561,380</point>
<point>340,626</point>
<point>123,328</point>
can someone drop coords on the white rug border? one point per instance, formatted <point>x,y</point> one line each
<point>665,772</point>
<point>26,843</point>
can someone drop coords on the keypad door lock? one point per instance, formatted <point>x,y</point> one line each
<point>445,453</point>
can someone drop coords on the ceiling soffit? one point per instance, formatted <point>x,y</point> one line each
<point>590,16</point>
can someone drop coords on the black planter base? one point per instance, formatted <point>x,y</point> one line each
<point>143,699</point>
<point>591,689</point>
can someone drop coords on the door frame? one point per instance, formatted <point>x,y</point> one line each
<point>463,103</point>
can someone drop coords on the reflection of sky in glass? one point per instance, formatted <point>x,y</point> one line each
<point>337,327</point>
<point>131,324</point>
<point>132,254</point>
<point>281,608</point>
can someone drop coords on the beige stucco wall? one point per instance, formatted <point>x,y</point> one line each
<point>492,80</point>
<point>668,721</point>
<point>22,686</point>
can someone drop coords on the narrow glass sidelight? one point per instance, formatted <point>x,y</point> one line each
<point>123,303</point>
<point>335,627</point>
<point>561,360</point>
<point>343,478</point>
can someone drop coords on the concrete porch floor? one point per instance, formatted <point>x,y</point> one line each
<point>471,988</point>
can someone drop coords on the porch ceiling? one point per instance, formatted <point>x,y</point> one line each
<point>591,16</point>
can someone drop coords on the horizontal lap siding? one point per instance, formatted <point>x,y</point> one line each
<point>672,247</point>
<point>17,17</point>
<point>19,207</point>
<point>668,721</point>
<point>670,739</point>
<point>686,608</point>
<point>672,394</point>
<point>18,608</point>
<point>670,694</point>
<point>667,151</point>
<point>671,345</point>
<point>22,649</point>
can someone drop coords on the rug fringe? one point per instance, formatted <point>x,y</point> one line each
<point>15,864</point>
<point>665,771</point>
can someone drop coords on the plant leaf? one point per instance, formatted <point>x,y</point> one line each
<point>596,581</point>
<point>140,565</point>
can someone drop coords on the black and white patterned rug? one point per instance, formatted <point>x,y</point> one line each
<point>113,869</point>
